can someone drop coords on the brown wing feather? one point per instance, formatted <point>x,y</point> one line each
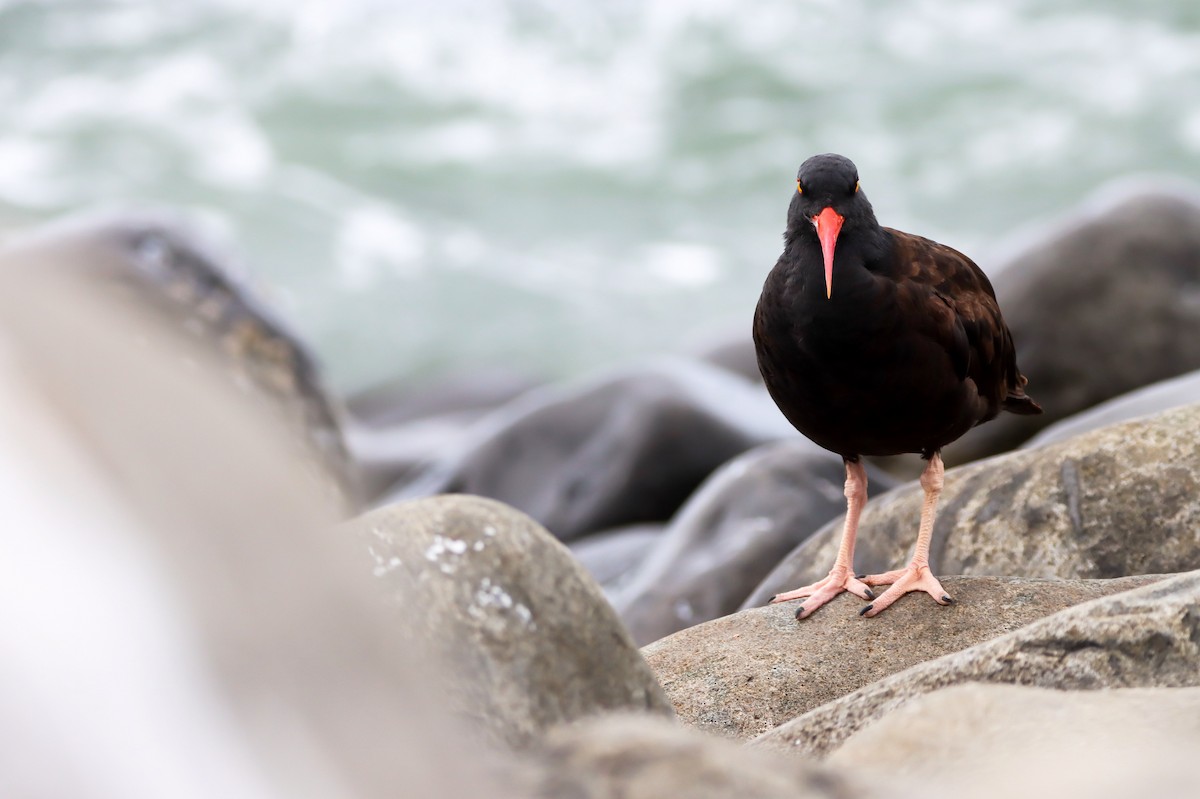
<point>959,284</point>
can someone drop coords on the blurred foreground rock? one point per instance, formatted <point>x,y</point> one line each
<point>160,262</point>
<point>526,636</point>
<point>1117,501</point>
<point>731,533</point>
<point>1106,303</point>
<point>744,674</point>
<point>636,757</point>
<point>1145,638</point>
<point>990,740</point>
<point>187,626</point>
<point>629,446</point>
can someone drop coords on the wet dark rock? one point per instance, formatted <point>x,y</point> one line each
<point>461,394</point>
<point>1116,501</point>
<point>1145,638</point>
<point>526,637</point>
<point>611,556</point>
<point>628,446</point>
<point>1161,396</point>
<point>744,674</point>
<point>731,533</point>
<point>732,350</point>
<point>1106,303</point>
<point>398,429</point>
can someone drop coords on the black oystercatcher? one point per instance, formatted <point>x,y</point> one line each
<point>877,342</point>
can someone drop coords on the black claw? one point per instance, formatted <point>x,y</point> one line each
<point>870,594</point>
<point>946,598</point>
<point>865,610</point>
<point>800,612</point>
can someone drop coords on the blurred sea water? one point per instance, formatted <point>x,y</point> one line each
<point>553,186</point>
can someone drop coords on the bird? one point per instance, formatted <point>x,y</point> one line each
<point>874,342</point>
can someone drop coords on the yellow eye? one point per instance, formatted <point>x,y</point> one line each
<point>799,188</point>
<point>856,187</point>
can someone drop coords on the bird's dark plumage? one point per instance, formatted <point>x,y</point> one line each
<point>908,351</point>
<point>877,342</point>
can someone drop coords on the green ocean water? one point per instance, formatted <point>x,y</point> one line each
<point>425,187</point>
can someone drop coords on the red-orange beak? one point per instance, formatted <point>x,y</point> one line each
<point>829,224</point>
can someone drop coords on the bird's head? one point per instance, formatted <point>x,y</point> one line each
<point>827,200</point>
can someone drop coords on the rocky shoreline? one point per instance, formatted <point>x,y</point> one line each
<point>524,541</point>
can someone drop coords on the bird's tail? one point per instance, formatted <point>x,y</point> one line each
<point>1018,402</point>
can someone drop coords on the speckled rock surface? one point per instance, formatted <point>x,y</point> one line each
<point>526,636</point>
<point>1104,304</point>
<point>638,757</point>
<point>1116,501</point>
<point>731,533</point>
<point>746,673</point>
<point>1144,638</point>
<point>994,740</point>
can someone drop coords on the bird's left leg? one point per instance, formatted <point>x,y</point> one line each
<point>917,576</point>
<point>841,576</point>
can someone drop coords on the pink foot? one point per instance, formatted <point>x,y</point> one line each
<point>904,581</point>
<point>820,592</point>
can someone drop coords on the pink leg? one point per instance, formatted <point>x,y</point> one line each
<point>917,576</point>
<point>841,576</point>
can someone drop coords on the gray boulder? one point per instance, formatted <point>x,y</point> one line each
<point>731,533</point>
<point>629,446</point>
<point>1145,638</point>
<point>637,757</point>
<point>396,430</point>
<point>1116,501</point>
<point>744,674</point>
<point>611,556</point>
<point>1104,304</point>
<point>732,349</point>
<point>525,635</point>
<point>459,394</point>
<point>989,740</point>
<point>1161,396</point>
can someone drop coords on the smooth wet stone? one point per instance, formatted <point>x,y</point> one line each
<point>1106,302</point>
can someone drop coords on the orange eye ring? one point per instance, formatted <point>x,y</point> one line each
<point>799,188</point>
<point>856,187</point>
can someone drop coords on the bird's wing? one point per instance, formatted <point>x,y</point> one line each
<point>961,298</point>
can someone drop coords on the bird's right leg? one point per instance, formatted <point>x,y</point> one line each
<point>841,576</point>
